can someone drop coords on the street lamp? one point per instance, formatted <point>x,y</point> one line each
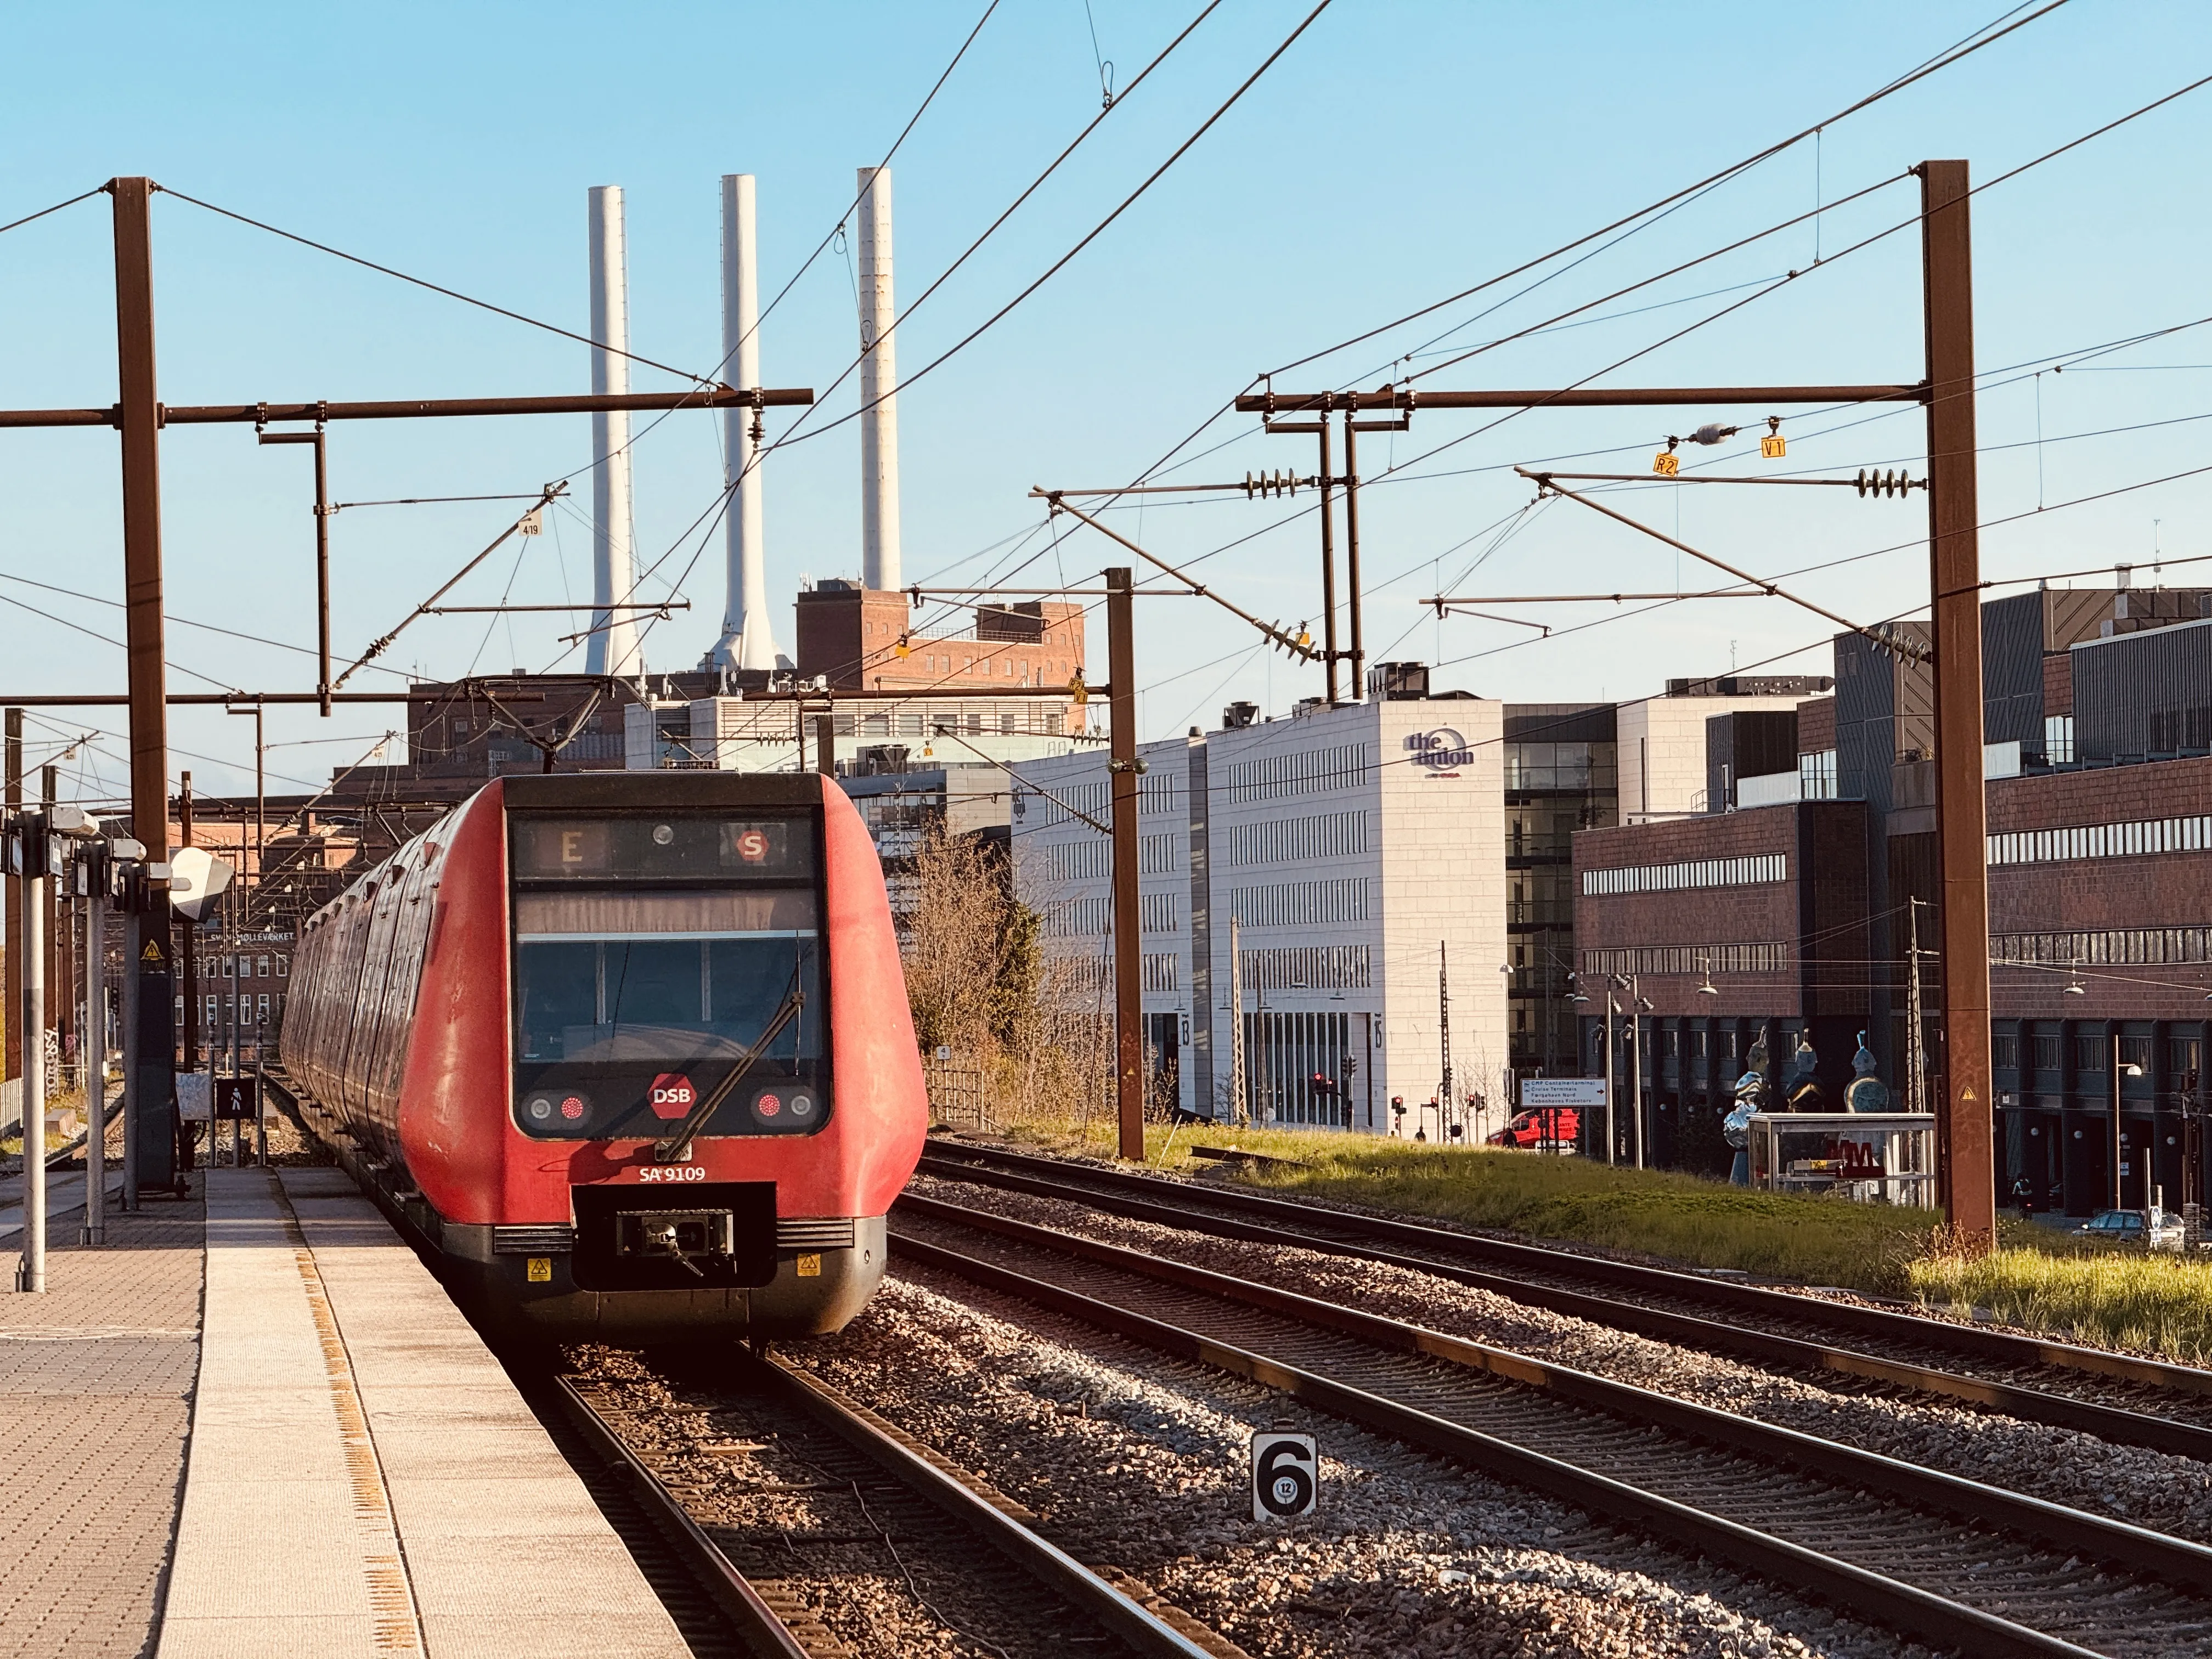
<point>2118,1072</point>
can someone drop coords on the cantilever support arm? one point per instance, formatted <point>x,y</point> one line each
<point>1056,501</point>
<point>1886,639</point>
<point>378,647</point>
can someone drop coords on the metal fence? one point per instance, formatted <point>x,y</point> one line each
<point>956,1094</point>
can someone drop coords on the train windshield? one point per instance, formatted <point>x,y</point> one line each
<point>660,964</point>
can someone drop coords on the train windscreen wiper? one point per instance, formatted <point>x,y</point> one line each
<point>676,1147</point>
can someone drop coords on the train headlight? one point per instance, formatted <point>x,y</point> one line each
<point>663,834</point>
<point>540,1109</point>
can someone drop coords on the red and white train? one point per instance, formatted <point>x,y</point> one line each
<point>630,1050</point>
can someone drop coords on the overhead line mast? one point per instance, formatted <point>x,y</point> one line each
<point>1963,1105</point>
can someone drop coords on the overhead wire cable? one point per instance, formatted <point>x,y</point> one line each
<point>1941,61</point>
<point>16,224</point>
<point>1091,236</point>
<point>438,288</point>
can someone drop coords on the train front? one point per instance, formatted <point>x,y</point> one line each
<point>713,1092</point>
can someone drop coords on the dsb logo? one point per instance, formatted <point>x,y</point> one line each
<point>673,1095</point>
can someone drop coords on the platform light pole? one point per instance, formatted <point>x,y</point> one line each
<point>2119,1071</point>
<point>29,848</point>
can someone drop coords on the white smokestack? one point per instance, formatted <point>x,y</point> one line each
<point>879,509</point>
<point>748,638</point>
<point>613,646</point>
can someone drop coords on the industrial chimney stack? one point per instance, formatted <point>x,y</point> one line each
<point>879,507</point>
<point>613,646</point>
<point>748,636</point>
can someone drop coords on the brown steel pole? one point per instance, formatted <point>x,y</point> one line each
<point>1352,549</point>
<point>149,1026</point>
<point>1963,1125</point>
<point>13,1067</point>
<point>1128,932</point>
<point>322,577</point>
<point>1328,562</point>
<point>826,744</point>
<point>188,956</point>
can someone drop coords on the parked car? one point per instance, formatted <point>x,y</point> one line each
<point>1547,1129</point>
<point>2154,1228</point>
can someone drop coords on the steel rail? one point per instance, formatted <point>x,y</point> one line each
<point>2135,1552</point>
<point>754,1620</point>
<point>1143,1629</point>
<point>1770,1558</point>
<point>1972,1341</point>
<point>2110,1423</point>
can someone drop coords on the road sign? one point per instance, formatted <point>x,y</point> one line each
<point>1562,1091</point>
<point>1286,1471</point>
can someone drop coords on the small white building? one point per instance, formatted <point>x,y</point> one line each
<point>1357,855</point>
<point>778,733</point>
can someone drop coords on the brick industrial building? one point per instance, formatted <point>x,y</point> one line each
<point>1791,904</point>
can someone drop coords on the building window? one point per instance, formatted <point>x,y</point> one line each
<point>2058,739</point>
<point>1699,872</point>
<point>2090,1053</point>
<point>2181,1061</point>
<point>283,967</point>
<point>261,966</point>
<point>2048,1054</point>
<point>2136,1051</point>
<point>1308,771</point>
<point>1300,903</point>
<point>1659,960</point>
<point>1816,775</point>
<point>2004,1051</point>
<point>1282,841</point>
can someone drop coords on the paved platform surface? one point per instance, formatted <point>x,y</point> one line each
<point>96,1382</point>
<point>260,1428</point>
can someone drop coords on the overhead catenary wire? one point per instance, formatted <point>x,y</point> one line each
<point>1941,61</point>
<point>1089,237</point>
<point>85,196</point>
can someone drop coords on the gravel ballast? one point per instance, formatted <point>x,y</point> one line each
<point>1138,1462</point>
<point>2147,1488</point>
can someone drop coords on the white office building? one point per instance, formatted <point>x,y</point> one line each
<point>1358,856</point>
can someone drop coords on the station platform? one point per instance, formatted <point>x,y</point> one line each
<point>259,1427</point>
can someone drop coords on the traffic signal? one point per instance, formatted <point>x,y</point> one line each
<point>1323,1084</point>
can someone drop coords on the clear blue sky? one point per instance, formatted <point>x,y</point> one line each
<point>1398,152</point>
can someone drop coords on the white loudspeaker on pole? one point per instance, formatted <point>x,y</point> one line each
<point>613,647</point>
<point>879,491</point>
<point>748,636</point>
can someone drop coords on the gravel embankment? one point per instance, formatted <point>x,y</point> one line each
<point>2147,1488</point>
<point>1138,1460</point>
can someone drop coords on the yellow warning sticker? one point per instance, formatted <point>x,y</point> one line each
<point>1774,448</point>
<point>1666,464</point>
<point>809,1265</point>
<point>541,1269</point>
<point>1966,1094</point>
<point>151,953</point>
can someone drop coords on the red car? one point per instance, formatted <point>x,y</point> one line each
<point>1542,1128</point>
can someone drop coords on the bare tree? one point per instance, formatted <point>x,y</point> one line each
<point>983,984</point>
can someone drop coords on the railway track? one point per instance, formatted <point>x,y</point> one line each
<point>2167,1407</point>
<point>875,1496</point>
<point>1941,1560</point>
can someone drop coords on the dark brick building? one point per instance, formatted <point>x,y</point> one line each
<point>1800,914</point>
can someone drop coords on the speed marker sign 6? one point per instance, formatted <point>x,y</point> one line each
<point>1284,1475</point>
